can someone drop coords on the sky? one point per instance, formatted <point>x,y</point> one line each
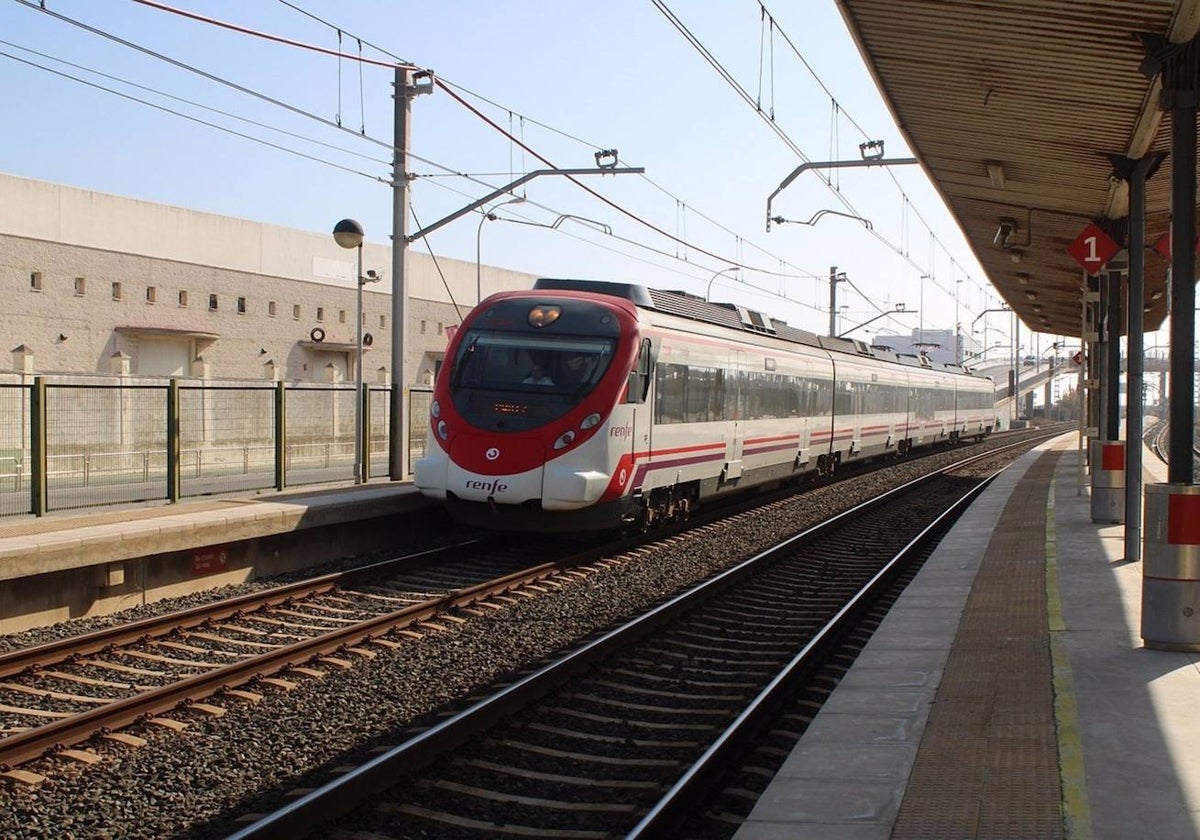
<point>562,79</point>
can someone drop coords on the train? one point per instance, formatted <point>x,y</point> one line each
<point>584,405</point>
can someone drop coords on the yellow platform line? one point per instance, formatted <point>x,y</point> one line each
<point>1077,815</point>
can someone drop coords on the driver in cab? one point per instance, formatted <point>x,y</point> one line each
<point>537,377</point>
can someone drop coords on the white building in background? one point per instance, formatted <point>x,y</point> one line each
<point>98,284</point>
<point>941,346</point>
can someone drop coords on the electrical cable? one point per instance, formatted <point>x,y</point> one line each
<point>167,110</point>
<point>195,104</point>
<point>524,119</point>
<point>444,86</point>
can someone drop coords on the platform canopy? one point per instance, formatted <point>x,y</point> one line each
<point>1016,109</point>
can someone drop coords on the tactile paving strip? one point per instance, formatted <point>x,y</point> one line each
<point>988,761</point>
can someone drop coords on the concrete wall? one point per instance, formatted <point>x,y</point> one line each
<point>119,276</point>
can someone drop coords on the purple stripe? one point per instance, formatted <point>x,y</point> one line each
<point>646,466</point>
<point>757,450</point>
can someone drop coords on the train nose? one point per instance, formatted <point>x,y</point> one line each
<point>488,468</point>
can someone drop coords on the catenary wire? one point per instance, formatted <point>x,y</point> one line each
<point>194,119</point>
<point>195,104</point>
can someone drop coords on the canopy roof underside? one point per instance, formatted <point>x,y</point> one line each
<point>1015,110</point>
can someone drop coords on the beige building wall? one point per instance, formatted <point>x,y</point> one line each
<point>94,281</point>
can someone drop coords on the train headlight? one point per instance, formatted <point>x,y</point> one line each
<point>435,409</point>
<point>543,316</point>
<point>564,440</point>
<point>443,430</point>
<point>589,421</point>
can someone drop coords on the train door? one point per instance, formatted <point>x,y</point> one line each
<point>641,403</point>
<point>735,385</point>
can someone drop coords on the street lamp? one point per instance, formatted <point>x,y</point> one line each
<point>708,291</point>
<point>488,216</point>
<point>349,234</point>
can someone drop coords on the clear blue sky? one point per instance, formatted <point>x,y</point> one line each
<point>616,75</point>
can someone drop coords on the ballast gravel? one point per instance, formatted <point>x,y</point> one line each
<point>195,783</point>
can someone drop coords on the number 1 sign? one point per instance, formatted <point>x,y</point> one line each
<point>1093,248</point>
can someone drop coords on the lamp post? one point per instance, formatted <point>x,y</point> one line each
<point>488,216</point>
<point>708,291</point>
<point>349,234</point>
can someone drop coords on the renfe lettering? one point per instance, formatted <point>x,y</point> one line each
<point>621,431</point>
<point>496,486</point>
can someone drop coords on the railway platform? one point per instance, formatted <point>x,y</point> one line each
<point>98,561</point>
<point>1007,693</point>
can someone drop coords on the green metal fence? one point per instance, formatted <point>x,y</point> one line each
<point>66,445</point>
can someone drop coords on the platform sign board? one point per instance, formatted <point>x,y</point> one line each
<point>209,561</point>
<point>1093,248</point>
<point>1163,245</point>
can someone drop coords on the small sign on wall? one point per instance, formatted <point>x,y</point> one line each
<point>211,560</point>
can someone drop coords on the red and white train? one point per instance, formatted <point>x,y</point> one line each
<point>586,405</point>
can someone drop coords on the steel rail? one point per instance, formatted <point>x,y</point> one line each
<point>14,662</point>
<point>675,807</point>
<point>25,746</point>
<point>310,812</point>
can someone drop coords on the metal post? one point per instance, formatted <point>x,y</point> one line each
<point>401,137</point>
<point>833,281</point>
<point>1112,360</point>
<point>1134,398</point>
<point>1183,289</point>
<point>359,474</point>
<point>478,258</point>
<point>364,405</point>
<point>1083,361</point>
<point>1099,370</point>
<point>280,436</point>
<point>37,447</point>
<point>174,465</point>
<point>1016,348</point>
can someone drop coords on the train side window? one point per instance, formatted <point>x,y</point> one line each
<point>639,377</point>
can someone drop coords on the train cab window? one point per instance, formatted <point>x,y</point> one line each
<point>640,377</point>
<point>494,373</point>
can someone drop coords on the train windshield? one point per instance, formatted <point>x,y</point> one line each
<point>531,363</point>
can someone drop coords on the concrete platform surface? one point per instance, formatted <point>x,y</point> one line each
<point>1124,756</point>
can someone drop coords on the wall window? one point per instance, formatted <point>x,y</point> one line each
<point>296,311</point>
<point>151,294</point>
<point>183,297</point>
<point>422,328</point>
<point>80,286</point>
<point>271,308</point>
<point>212,303</point>
<point>383,322</point>
<point>116,290</point>
<point>341,316</point>
<point>320,313</point>
<point>35,281</point>
<point>241,306</point>
<point>440,327</point>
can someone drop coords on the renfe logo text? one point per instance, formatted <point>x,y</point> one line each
<point>496,486</point>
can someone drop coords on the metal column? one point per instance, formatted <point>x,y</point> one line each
<point>1183,284</point>
<point>1171,567</point>
<point>1138,173</point>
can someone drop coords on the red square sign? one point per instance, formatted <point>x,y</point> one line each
<point>1093,248</point>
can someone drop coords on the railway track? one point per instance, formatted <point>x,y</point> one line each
<point>166,669</point>
<point>627,734</point>
<point>60,694</point>
<point>1158,439</point>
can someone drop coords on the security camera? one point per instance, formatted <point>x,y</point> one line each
<point>373,275</point>
<point>1004,233</point>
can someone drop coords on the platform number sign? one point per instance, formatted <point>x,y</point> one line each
<point>1093,248</point>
